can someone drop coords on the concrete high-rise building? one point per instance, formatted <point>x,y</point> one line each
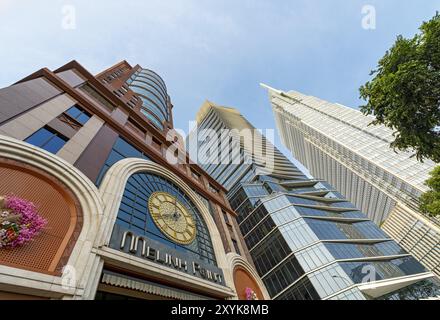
<point>306,240</point>
<point>123,220</point>
<point>336,143</point>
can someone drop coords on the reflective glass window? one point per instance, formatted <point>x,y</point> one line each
<point>134,214</point>
<point>79,114</point>
<point>47,139</point>
<point>152,119</point>
<point>120,150</point>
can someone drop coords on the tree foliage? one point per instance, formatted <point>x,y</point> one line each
<point>430,201</point>
<point>404,93</point>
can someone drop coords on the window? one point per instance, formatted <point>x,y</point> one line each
<point>146,93</point>
<point>136,127</point>
<point>121,150</point>
<point>225,214</point>
<point>79,114</point>
<point>131,104</point>
<point>98,96</point>
<point>118,93</point>
<point>156,143</point>
<point>134,215</point>
<point>195,174</point>
<point>152,119</point>
<point>235,243</point>
<point>47,139</point>
<point>212,189</point>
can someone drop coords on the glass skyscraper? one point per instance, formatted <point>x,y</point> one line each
<point>306,240</point>
<point>337,143</point>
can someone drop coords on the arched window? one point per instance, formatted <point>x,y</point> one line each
<point>134,214</point>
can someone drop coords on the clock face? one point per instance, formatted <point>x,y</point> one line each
<point>172,217</point>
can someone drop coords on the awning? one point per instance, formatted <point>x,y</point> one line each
<point>128,282</point>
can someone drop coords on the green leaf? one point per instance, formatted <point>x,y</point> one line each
<point>404,93</point>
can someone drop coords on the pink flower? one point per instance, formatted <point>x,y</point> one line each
<point>29,225</point>
<point>249,294</point>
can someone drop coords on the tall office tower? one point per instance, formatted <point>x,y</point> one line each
<point>254,158</point>
<point>306,240</point>
<point>337,144</point>
<point>126,215</point>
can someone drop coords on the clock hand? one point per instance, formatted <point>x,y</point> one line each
<point>168,215</point>
<point>176,214</point>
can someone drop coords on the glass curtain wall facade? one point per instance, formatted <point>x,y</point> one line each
<point>306,240</point>
<point>153,92</point>
<point>230,158</point>
<point>337,143</point>
<point>310,243</point>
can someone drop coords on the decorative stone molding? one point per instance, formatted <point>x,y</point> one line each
<point>99,208</point>
<point>235,261</point>
<point>111,191</point>
<point>82,262</point>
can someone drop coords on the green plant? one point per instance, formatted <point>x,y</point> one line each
<point>430,201</point>
<point>405,92</point>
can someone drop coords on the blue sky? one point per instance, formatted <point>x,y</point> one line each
<point>216,50</point>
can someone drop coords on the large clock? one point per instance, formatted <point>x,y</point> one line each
<point>172,218</point>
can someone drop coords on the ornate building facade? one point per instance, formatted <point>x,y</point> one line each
<point>125,214</point>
